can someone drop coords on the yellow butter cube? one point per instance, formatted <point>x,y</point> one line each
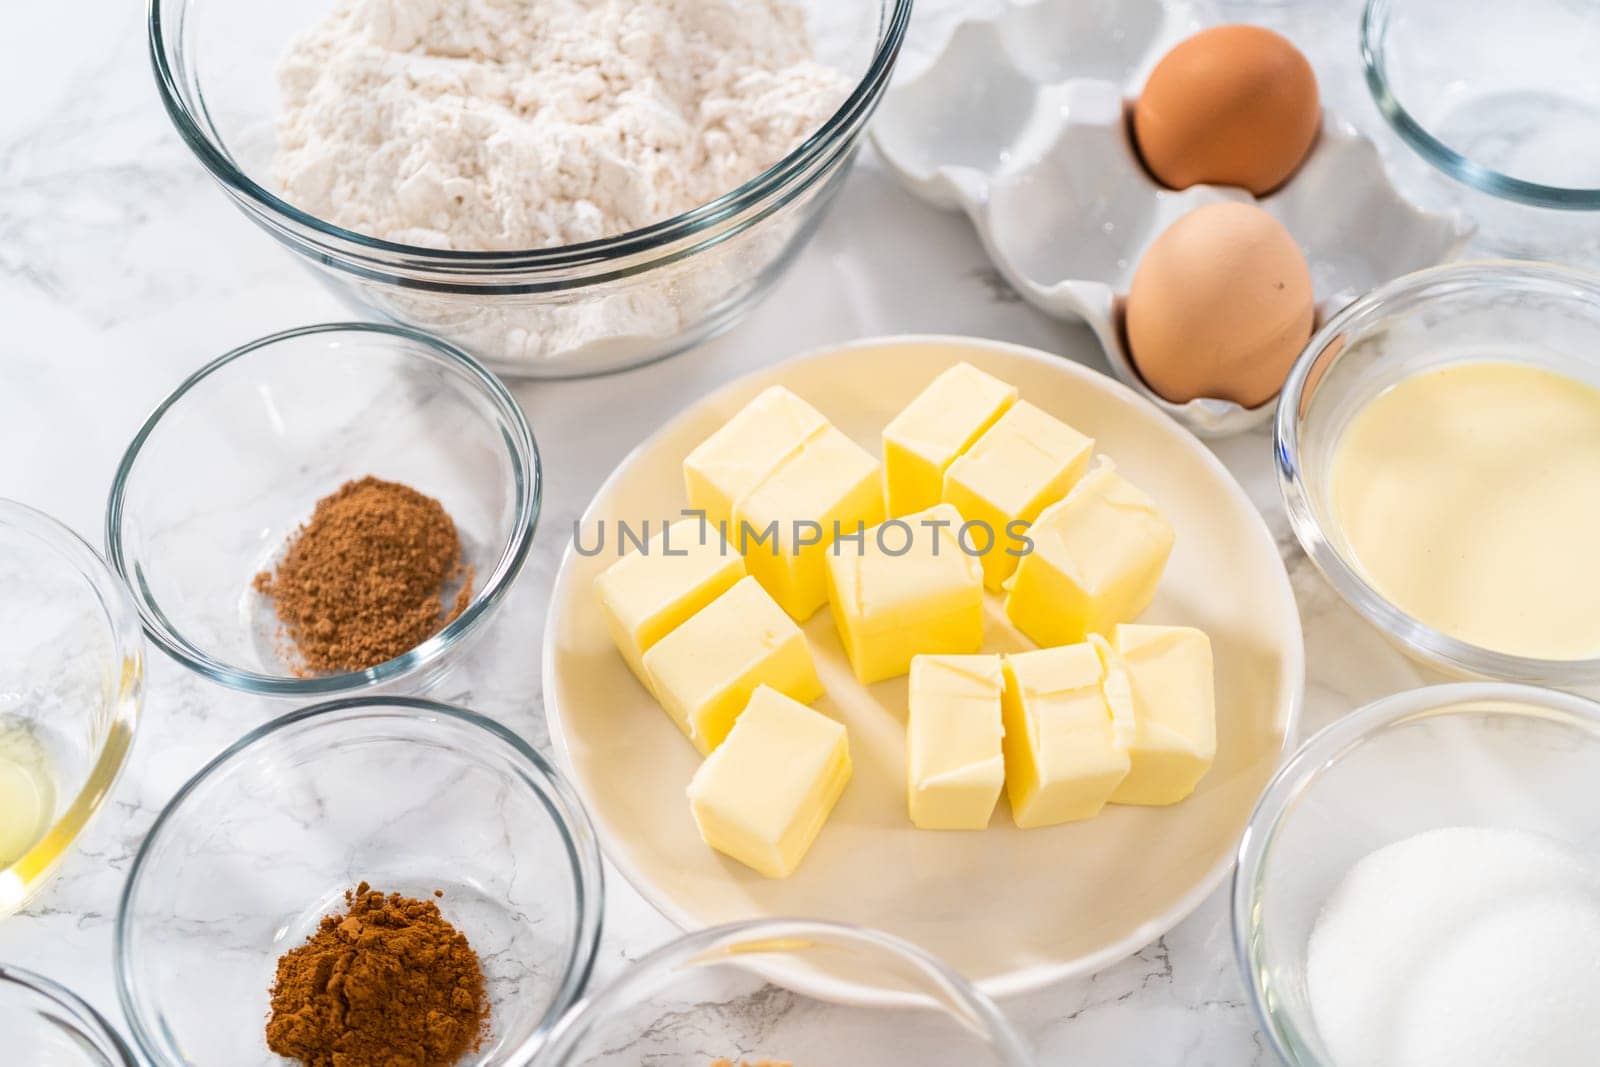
<point>1027,460</point>
<point>935,428</point>
<point>764,794</point>
<point>647,594</point>
<point>1096,558</point>
<point>746,450</point>
<point>1162,676</point>
<point>905,587</point>
<point>955,766</point>
<point>704,671</point>
<point>1065,747</point>
<point>785,525</point>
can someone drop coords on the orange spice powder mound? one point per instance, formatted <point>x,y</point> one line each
<point>362,581</point>
<point>387,983</point>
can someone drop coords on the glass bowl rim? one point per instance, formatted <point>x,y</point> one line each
<point>121,619</point>
<point>846,120</point>
<point>522,449</point>
<point>86,1023</point>
<point>1342,573</point>
<point>566,813</point>
<point>559,1044</point>
<point>1374,60</point>
<point>1330,745</point>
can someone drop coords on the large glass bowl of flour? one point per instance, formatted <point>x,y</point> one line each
<point>563,188</point>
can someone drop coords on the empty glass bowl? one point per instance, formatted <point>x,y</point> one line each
<point>71,678</point>
<point>555,312</point>
<point>1474,754</point>
<point>707,995</point>
<point>1503,99</point>
<point>407,795</point>
<point>236,459</point>
<point>47,1025</point>
<point>1535,313</point>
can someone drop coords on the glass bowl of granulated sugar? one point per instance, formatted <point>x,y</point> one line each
<point>1419,885</point>
<point>562,188</point>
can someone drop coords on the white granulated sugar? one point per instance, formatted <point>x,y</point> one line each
<point>1461,948</point>
<point>496,125</point>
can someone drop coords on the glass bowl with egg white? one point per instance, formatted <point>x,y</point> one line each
<point>458,170</point>
<point>71,690</point>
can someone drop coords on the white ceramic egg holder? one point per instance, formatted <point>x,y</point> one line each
<point>1021,122</point>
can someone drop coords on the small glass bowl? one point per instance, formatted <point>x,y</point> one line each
<point>564,312</point>
<point>48,1025</point>
<point>1536,313</point>
<point>1466,754</point>
<point>71,681</point>
<point>711,994</point>
<point>230,464</point>
<point>408,795</point>
<point>1503,99</point>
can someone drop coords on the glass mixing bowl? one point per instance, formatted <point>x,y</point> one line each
<point>47,1025</point>
<point>1504,101</point>
<point>707,995</point>
<point>231,463</point>
<point>1472,754</point>
<point>557,312</point>
<point>408,795</point>
<point>71,679</point>
<point>1536,313</point>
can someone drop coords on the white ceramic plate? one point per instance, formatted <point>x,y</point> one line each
<point>1012,910</point>
<point>1020,122</point>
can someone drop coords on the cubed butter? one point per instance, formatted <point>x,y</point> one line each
<point>905,587</point>
<point>1162,676</point>
<point>1066,751</point>
<point>1026,461</point>
<point>649,593</point>
<point>1097,556</point>
<point>746,450</point>
<point>955,765</point>
<point>764,794</point>
<point>935,428</point>
<point>704,671</point>
<point>785,525</point>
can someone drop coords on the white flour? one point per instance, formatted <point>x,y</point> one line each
<point>508,124</point>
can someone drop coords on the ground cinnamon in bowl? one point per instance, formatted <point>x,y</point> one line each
<point>387,983</point>
<point>363,580</point>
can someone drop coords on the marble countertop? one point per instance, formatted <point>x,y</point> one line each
<point>122,268</point>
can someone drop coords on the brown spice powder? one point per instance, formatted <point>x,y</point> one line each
<point>362,580</point>
<point>390,982</point>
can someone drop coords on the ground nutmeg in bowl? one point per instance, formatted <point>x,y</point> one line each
<point>387,983</point>
<point>364,579</point>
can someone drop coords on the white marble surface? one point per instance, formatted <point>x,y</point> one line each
<point>121,268</point>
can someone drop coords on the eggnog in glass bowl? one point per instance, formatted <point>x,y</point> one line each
<point>1438,449</point>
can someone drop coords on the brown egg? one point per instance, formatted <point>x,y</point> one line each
<point>1232,105</point>
<point>1220,306</point>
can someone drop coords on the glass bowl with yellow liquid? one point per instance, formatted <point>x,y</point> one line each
<point>1438,451</point>
<point>71,678</point>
